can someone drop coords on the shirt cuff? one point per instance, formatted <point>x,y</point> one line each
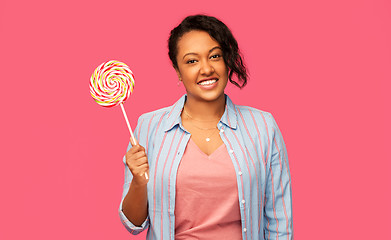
<point>130,226</point>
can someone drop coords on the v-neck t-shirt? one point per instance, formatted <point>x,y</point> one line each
<point>207,202</point>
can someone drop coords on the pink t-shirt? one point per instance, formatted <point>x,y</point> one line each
<point>206,205</point>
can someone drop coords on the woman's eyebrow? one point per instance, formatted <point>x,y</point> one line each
<point>211,50</point>
<point>217,47</point>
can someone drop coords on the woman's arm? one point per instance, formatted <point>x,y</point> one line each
<point>133,209</point>
<point>135,203</point>
<point>278,207</point>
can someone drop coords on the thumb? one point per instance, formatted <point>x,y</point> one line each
<point>133,141</point>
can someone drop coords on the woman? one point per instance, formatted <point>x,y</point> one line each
<point>216,170</point>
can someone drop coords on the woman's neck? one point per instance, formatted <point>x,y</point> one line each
<point>205,110</point>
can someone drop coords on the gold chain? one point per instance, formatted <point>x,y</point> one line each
<point>205,129</point>
<point>184,110</point>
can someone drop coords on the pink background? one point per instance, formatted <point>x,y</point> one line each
<point>323,68</point>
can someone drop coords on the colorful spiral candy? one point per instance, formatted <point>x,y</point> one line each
<point>111,83</point>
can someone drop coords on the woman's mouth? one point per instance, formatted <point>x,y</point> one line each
<point>207,82</point>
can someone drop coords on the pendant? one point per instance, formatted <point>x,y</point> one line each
<point>207,139</point>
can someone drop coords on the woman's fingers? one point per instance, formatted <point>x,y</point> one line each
<point>142,164</point>
<point>136,148</point>
<point>137,162</point>
<point>136,152</point>
<point>137,159</point>
<point>139,171</point>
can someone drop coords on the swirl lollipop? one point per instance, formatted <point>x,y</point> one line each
<point>110,85</point>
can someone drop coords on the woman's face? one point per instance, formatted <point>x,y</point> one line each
<point>201,66</point>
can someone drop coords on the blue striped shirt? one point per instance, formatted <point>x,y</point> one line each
<point>258,154</point>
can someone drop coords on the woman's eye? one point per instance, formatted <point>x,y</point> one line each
<point>191,61</point>
<point>216,56</point>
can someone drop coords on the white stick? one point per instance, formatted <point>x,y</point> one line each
<point>127,122</point>
<point>131,132</point>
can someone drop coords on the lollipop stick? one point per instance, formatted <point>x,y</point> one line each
<point>127,122</point>
<point>131,132</point>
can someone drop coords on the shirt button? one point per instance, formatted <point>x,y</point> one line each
<point>244,229</point>
<point>221,130</point>
<point>231,151</point>
<point>243,201</point>
<point>240,173</point>
<point>220,124</point>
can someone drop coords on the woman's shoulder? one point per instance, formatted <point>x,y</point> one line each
<point>256,116</point>
<point>253,112</point>
<point>156,113</point>
<point>151,124</point>
<point>164,113</point>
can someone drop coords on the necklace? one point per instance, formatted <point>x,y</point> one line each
<point>187,114</point>
<point>208,137</point>
<point>204,129</point>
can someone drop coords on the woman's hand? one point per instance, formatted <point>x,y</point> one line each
<point>137,162</point>
<point>135,203</point>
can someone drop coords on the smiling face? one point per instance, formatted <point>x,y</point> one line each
<point>201,66</point>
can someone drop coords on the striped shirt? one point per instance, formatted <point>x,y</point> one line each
<point>259,156</point>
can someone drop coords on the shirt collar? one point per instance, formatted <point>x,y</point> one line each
<point>229,117</point>
<point>173,118</point>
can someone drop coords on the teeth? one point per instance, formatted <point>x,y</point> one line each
<point>208,82</point>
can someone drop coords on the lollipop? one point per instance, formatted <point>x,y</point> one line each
<point>110,85</point>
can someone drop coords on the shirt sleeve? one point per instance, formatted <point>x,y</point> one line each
<point>128,179</point>
<point>278,205</point>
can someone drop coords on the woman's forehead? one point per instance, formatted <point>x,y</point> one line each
<point>196,42</point>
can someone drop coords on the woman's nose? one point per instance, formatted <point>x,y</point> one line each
<point>206,68</point>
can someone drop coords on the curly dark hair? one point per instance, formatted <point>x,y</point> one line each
<point>219,32</point>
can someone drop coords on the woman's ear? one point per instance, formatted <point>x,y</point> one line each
<point>178,73</point>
